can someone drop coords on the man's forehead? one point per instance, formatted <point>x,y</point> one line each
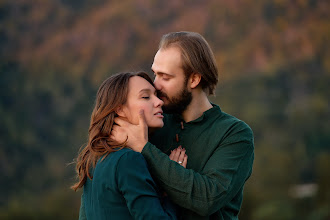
<point>171,54</point>
<point>166,60</point>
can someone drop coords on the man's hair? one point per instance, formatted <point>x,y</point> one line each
<point>196,55</point>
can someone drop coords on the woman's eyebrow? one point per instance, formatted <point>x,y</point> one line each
<point>145,90</point>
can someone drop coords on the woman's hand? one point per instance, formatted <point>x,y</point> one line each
<point>179,155</point>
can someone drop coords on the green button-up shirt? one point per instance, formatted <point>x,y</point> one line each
<point>220,153</point>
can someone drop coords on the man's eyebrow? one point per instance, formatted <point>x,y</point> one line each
<point>162,73</point>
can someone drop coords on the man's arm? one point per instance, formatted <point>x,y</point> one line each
<point>139,189</point>
<point>223,177</point>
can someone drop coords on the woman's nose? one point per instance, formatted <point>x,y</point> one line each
<point>159,102</point>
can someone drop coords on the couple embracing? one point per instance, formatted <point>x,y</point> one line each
<point>160,149</point>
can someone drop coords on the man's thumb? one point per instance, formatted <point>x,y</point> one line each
<point>142,119</point>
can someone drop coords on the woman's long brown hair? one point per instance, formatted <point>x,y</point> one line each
<point>111,94</point>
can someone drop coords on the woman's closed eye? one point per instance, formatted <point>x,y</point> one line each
<point>146,97</point>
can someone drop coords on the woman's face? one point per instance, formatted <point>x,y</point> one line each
<point>142,95</point>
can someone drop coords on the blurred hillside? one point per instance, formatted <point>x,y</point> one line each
<point>274,61</point>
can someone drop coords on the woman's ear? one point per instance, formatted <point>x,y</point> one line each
<point>195,79</point>
<point>120,112</point>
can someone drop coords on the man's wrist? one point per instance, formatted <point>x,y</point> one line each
<point>140,146</point>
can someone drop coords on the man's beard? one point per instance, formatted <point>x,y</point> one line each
<point>177,104</point>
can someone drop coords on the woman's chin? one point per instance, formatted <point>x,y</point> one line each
<point>155,126</point>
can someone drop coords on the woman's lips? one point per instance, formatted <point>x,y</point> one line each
<point>159,114</point>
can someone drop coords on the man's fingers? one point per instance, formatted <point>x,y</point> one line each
<point>118,134</point>
<point>116,129</point>
<point>120,121</point>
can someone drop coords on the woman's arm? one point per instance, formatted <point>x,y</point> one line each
<point>139,189</point>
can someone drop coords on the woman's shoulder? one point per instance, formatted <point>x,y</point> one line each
<point>125,158</point>
<point>119,153</point>
<point>129,155</point>
<point>127,152</point>
<point>131,164</point>
<point>124,155</point>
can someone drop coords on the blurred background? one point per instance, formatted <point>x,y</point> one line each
<point>274,61</point>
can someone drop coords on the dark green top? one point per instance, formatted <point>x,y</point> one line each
<point>122,188</point>
<point>220,153</point>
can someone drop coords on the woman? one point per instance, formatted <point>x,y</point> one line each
<point>116,180</point>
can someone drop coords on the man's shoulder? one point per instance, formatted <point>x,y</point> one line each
<point>231,123</point>
<point>225,117</point>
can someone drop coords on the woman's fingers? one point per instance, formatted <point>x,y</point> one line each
<point>176,153</point>
<point>172,154</point>
<point>185,160</point>
<point>179,155</point>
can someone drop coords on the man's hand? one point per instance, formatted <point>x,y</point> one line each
<point>137,135</point>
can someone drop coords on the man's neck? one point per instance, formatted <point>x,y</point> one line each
<point>199,104</point>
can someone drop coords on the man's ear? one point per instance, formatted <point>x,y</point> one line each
<point>120,112</point>
<point>195,79</point>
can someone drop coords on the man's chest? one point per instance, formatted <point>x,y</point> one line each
<point>199,143</point>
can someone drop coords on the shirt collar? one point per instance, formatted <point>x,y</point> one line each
<point>205,114</point>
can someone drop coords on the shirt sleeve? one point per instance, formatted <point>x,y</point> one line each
<point>140,190</point>
<point>82,214</point>
<point>222,178</point>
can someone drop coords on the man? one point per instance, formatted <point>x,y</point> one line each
<point>219,146</point>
